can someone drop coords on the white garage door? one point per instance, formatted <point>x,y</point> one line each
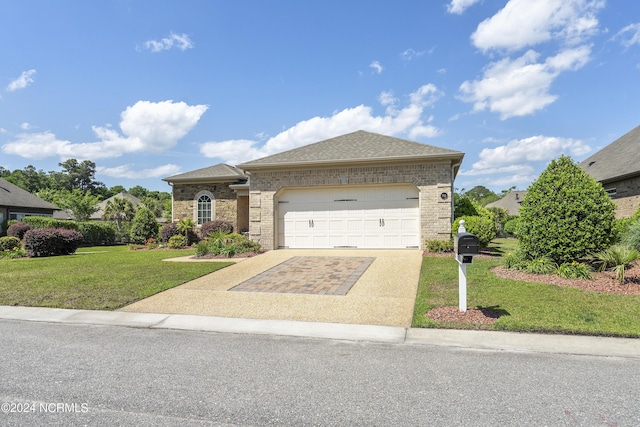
<point>359,217</point>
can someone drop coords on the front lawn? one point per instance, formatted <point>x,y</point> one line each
<point>523,306</point>
<point>96,278</point>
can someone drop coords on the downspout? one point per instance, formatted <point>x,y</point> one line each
<point>172,209</point>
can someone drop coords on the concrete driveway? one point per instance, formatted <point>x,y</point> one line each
<point>374,287</point>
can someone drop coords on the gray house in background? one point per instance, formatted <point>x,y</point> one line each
<point>16,203</point>
<point>617,168</point>
<point>511,202</point>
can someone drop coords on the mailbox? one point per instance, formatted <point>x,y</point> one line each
<point>466,244</point>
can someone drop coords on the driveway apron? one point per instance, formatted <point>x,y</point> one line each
<point>360,286</point>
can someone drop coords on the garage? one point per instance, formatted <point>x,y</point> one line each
<point>349,217</point>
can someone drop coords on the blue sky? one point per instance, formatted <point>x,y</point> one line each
<point>148,89</point>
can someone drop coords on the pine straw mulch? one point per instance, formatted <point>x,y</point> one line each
<point>602,282</point>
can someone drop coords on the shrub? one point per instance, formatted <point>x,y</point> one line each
<point>540,265</point>
<point>632,236</point>
<point>143,226</point>
<point>41,242</point>
<point>220,243</point>
<point>50,222</point>
<point>575,270</point>
<point>565,215</point>
<point>500,217</point>
<point>439,246</point>
<point>483,228</point>
<point>514,260</point>
<point>511,227</point>
<point>9,243</point>
<point>212,226</point>
<point>97,233</point>
<point>176,242</point>
<point>18,229</point>
<point>464,206</point>
<point>168,231</point>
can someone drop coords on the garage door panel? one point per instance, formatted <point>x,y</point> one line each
<point>365,217</point>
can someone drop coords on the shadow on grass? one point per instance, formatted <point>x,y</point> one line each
<point>493,311</point>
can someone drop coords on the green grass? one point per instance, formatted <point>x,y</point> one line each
<point>97,278</point>
<point>524,306</point>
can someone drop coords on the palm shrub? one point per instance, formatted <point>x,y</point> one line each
<point>143,226</point>
<point>118,210</point>
<point>186,227</point>
<point>617,259</point>
<point>566,214</point>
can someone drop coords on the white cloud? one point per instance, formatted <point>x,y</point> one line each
<point>129,171</point>
<point>179,41</point>
<point>630,35</point>
<point>408,120</point>
<point>517,155</point>
<point>520,87</point>
<point>147,127</point>
<point>25,79</point>
<point>25,126</point>
<point>523,23</point>
<point>410,54</point>
<point>459,6</point>
<point>377,67</point>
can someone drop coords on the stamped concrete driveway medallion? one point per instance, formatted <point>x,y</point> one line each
<point>321,275</point>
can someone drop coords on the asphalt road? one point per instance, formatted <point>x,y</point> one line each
<point>56,374</point>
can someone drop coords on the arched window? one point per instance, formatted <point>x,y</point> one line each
<point>205,209</point>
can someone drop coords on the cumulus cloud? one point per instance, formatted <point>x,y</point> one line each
<point>129,171</point>
<point>629,35</point>
<point>147,127</point>
<point>410,54</point>
<point>25,79</point>
<point>519,87</point>
<point>408,120</point>
<point>179,41</point>
<point>459,6</point>
<point>519,161</point>
<point>376,66</point>
<point>523,23</point>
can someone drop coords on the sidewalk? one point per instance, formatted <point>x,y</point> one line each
<point>483,340</point>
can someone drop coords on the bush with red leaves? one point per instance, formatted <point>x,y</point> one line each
<point>18,229</point>
<point>42,242</point>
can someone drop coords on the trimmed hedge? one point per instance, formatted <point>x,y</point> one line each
<point>93,232</point>
<point>483,228</point>
<point>17,229</point>
<point>213,226</point>
<point>168,231</point>
<point>42,242</point>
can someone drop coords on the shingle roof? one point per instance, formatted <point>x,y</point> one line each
<point>359,146</point>
<point>511,202</point>
<point>220,172</point>
<point>619,159</point>
<point>14,196</point>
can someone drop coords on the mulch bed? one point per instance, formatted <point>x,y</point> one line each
<point>223,257</point>
<point>602,282</point>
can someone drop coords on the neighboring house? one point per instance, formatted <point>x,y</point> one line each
<point>361,190</point>
<point>97,216</point>
<point>16,203</point>
<point>511,202</point>
<point>617,167</point>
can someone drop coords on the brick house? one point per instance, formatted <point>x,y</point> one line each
<point>361,190</point>
<point>617,168</point>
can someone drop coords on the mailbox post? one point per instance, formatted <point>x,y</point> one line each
<point>465,246</point>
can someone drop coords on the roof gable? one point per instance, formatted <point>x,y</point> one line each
<point>619,159</point>
<point>359,146</point>
<point>14,196</point>
<point>511,202</point>
<point>219,172</point>
<point>97,215</point>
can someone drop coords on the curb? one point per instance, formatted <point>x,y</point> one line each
<point>480,340</point>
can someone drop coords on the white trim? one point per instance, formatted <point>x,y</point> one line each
<point>195,205</point>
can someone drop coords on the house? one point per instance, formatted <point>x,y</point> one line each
<point>16,203</point>
<point>617,168</point>
<point>510,202</point>
<point>97,215</point>
<point>360,190</point>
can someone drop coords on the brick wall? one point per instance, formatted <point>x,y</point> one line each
<point>627,197</point>
<point>431,180</point>
<point>224,201</point>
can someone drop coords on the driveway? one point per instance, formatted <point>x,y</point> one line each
<point>374,287</point>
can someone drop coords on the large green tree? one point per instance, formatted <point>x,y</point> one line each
<point>78,175</point>
<point>118,210</point>
<point>566,214</point>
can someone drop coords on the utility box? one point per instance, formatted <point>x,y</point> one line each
<point>466,244</point>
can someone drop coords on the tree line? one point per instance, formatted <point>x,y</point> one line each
<point>76,190</point>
